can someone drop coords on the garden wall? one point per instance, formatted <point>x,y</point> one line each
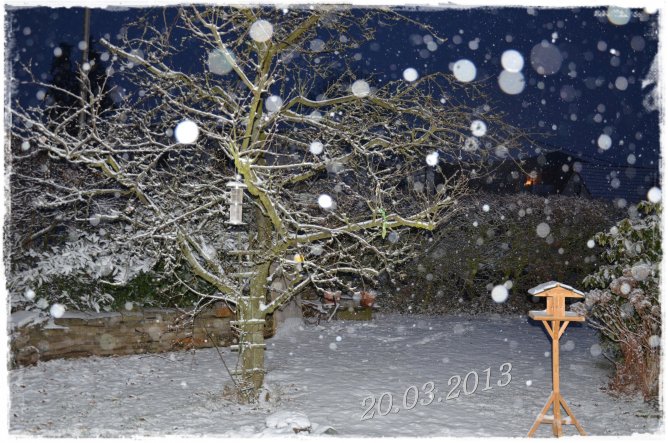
<point>82,334</point>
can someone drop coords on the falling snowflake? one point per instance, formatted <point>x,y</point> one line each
<point>654,341</point>
<point>95,220</point>
<point>273,103</point>
<point>640,271</point>
<point>621,83</point>
<point>186,132</point>
<point>654,195</point>
<point>261,31</point>
<point>501,151</point>
<point>220,62</point>
<point>512,61</point>
<point>595,350</point>
<point>618,16</point>
<point>478,128</point>
<point>499,293</point>
<point>543,230</point>
<point>317,45</point>
<point>464,70</point>
<point>432,159</point>
<point>393,237</point>
<point>410,74</point>
<point>57,310</point>
<point>546,58</point>
<point>325,201</point>
<point>512,83</point>
<point>360,88</point>
<point>471,144</point>
<point>604,142</point>
<point>316,148</point>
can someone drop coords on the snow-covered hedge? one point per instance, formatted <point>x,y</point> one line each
<point>624,302</point>
<point>517,240</point>
<point>82,261</point>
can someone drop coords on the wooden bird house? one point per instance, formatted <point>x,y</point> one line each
<point>555,318</point>
<point>556,294</point>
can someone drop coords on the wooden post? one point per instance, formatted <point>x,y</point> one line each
<point>552,319</point>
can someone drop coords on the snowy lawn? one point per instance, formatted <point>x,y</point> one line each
<point>326,372</point>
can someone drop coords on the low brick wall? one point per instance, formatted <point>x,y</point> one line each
<point>81,334</point>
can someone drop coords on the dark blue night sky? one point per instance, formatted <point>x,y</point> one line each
<point>597,88</point>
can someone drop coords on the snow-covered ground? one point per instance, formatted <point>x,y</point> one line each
<point>323,374</point>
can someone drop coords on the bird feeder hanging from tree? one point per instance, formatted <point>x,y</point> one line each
<point>236,202</point>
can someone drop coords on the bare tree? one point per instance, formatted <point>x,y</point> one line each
<point>324,155</point>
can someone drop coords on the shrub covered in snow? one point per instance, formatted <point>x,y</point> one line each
<point>88,271</point>
<point>68,273</point>
<point>624,300</point>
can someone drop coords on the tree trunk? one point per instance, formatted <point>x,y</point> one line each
<point>251,318</point>
<point>251,334</point>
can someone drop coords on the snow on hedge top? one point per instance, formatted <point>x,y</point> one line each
<point>552,284</point>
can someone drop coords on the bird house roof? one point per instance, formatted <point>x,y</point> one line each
<point>551,285</point>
